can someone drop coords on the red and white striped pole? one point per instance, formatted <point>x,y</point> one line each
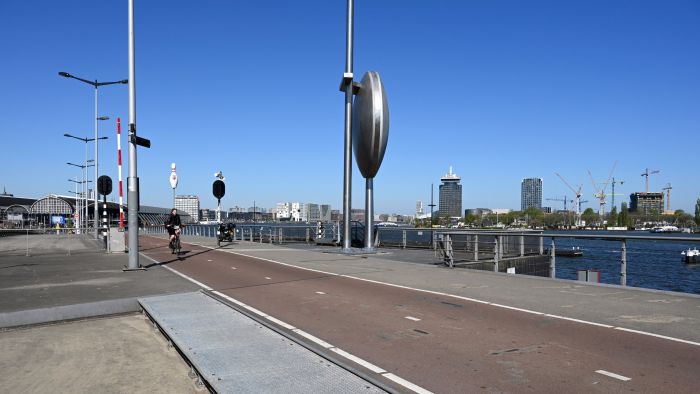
<point>119,157</point>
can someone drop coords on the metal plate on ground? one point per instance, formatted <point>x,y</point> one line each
<point>235,354</point>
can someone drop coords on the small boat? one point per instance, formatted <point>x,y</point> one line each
<point>691,256</point>
<point>665,229</point>
<point>573,252</point>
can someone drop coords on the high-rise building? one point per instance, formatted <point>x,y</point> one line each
<point>189,204</point>
<point>419,208</point>
<point>450,195</point>
<point>325,211</point>
<point>647,203</point>
<point>310,212</point>
<point>531,193</point>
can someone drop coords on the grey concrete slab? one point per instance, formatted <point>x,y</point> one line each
<point>52,285</point>
<point>110,355</point>
<point>241,355</point>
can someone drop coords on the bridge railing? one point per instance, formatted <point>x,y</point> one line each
<point>453,247</point>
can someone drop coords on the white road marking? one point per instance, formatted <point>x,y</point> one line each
<point>406,383</point>
<point>267,277</point>
<point>659,336</point>
<point>320,292</point>
<point>578,321</point>
<point>281,323</point>
<point>233,268</point>
<point>412,318</point>
<point>613,375</point>
<point>210,260</point>
<point>358,360</point>
<point>313,338</point>
<point>200,284</point>
<point>517,309</point>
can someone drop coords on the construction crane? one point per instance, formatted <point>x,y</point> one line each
<point>646,174</point>
<point>613,189</point>
<point>577,201</point>
<point>668,196</point>
<point>600,192</point>
<point>564,200</point>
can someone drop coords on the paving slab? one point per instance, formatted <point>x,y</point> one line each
<point>236,354</point>
<point>121,354</point>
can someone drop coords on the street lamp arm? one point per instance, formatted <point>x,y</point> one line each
<point>123,81</point>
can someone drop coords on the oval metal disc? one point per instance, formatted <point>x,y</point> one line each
<point>370,124</point>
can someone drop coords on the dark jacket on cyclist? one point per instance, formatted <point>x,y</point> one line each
<point>171,222</point>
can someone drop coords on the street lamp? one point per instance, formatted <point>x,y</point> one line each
<point>86,140</point>
<point>95,84</point>
<point>83,169</point>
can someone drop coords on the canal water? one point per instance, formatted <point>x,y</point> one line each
<point>650,264</point>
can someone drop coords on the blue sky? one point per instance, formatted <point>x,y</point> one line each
<point>500,90</point>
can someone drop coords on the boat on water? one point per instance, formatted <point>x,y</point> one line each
<point>691,256</point>
<point>573,252</point>
<point>665,229</point>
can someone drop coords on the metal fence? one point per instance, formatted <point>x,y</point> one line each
<point>262,233</point>
<point>44,241</point>
<point>526,251</point>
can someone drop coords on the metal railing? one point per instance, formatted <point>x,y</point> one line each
<point>454,248</point>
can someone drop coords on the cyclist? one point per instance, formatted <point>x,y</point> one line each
<point>171,222</point>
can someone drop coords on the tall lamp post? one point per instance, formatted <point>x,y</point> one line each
<point>85,181</point>
<point>96,84</point>
<point>86,140</point>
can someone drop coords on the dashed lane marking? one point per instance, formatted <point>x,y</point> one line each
<point>613,375</point>
<point>320,292</point>
<point>412,318</point>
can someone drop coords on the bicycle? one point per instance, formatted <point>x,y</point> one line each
<point>175,243</point>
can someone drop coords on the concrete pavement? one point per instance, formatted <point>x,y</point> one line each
<point>122,354</point>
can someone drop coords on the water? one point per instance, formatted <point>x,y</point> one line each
<point>650,264</point>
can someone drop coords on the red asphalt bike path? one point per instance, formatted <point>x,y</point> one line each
<point>441,343</point>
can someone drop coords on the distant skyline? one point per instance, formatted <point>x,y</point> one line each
<point>500,90</point>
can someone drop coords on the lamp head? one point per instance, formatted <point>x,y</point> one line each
<point>64,74</point>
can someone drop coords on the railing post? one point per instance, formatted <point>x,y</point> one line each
<point>500,246</point>
<point>308,231</point>
<point>281,235</point>
<point>403,241</point>
<point>476,247</point>
<point>270,235</point>
<point>541,245</point>
<point>448,250</point>
<point>495,254</point>
<point>623,264</point>
<point>522,245</point>
<point>553,260</point>
<point>434,237</point>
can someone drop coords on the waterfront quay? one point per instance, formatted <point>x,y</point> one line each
<point>395,320</point>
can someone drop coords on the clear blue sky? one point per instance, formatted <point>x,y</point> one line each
<point>501,90</point>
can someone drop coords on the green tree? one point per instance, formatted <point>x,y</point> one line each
<point>612,218</point>
<point>589,216</point>
<point>623,219</point>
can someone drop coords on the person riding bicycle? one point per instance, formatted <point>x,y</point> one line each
<point>171,222</point>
